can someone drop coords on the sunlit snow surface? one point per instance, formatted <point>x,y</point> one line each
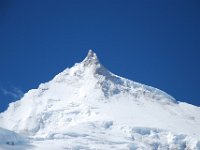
<point>88,107</point>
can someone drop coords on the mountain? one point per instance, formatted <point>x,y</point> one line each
<point>88,107</point>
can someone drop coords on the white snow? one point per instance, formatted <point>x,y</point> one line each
<point>10,140</point>
<point>88,107</point>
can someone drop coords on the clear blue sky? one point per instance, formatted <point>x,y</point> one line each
<point>153,42</point>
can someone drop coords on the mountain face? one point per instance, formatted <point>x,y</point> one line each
<point>88,107</point>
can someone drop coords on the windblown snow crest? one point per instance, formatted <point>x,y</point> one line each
<point>91,107</point>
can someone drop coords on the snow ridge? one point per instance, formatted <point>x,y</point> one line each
<point>107,80</point>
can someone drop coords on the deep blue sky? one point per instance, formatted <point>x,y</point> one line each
<point>153,42</point>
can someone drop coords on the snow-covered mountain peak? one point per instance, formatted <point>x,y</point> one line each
<point>88,102</point>
<point>92,71</point>
<point>87,69</point>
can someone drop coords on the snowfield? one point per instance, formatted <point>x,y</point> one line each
<point>88,107</point>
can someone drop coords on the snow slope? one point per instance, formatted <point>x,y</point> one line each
<point>88,107</point>
<point>10,137</point>
<point>11,140</point>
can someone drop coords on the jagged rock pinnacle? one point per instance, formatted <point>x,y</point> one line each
<point>91,54</point>
<point>91,58</point>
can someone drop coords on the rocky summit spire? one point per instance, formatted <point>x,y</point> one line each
<point>91,58</point>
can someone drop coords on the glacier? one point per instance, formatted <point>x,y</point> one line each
<point>88,107</point>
